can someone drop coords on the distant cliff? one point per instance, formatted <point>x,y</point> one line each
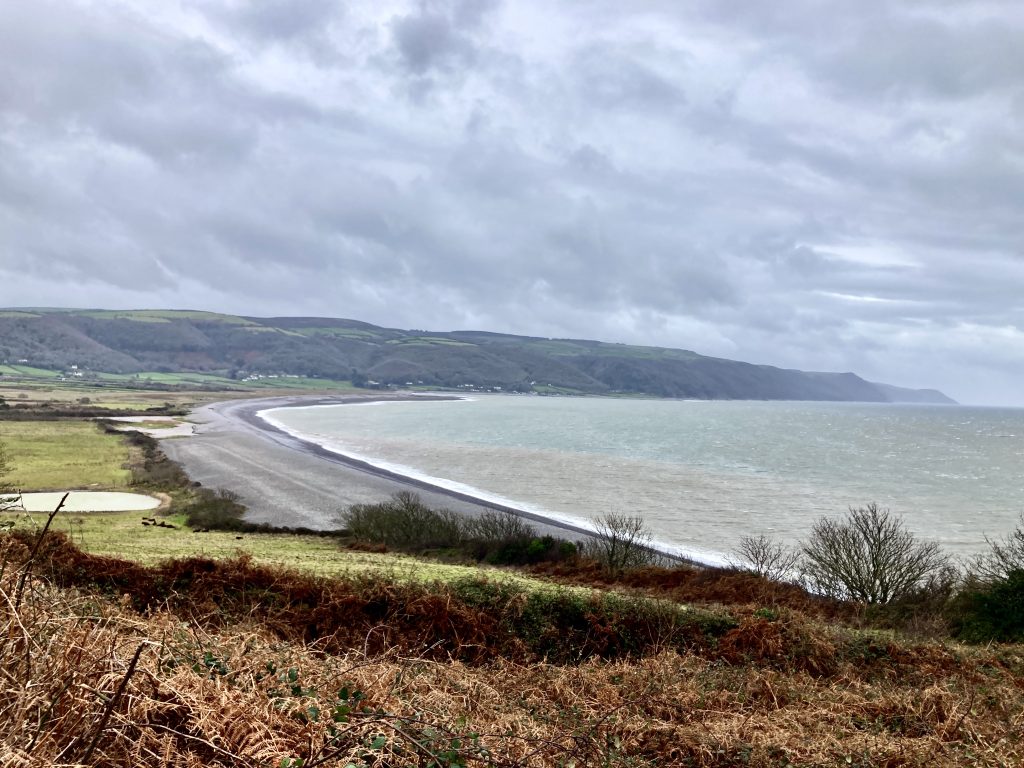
<point>236,347</point>
<point>903,395</point>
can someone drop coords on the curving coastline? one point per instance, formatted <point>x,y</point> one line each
<point>288,481</point>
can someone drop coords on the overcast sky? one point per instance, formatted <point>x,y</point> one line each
<point>813,184</point>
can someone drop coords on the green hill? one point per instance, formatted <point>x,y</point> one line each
<point>171,341</point>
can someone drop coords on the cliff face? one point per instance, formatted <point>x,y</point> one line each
<point>171,341</point>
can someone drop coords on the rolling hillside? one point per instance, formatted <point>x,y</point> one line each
<point>236,348</point>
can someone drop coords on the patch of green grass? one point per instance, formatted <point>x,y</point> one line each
<point>270,329</point>
<point>300,383</point>
<point>352,333</point>
<point>185,378</point>
<point>27,370</point>
<point>63,454</point>
<point>164,316</point>
<point>122,534</point>
<point>428,341</point>
<point>136,316</point>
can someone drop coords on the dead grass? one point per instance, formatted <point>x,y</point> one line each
<point>472,619</point>
<point>709,585</point>
<point>86,680</point>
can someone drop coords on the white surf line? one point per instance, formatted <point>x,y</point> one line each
<point>477,495</point>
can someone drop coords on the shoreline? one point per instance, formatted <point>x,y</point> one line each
<point>245,414</point>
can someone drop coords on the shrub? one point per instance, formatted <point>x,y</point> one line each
<point>869,557</point>
<point>991,605</point>
<point>216,510</point>
<point>505,538</point>
<point>620,542</point>
<point>156,469</point>
<point>404,521</point>
<point>1003,558</point>
<point>992,611</point>
<point>542,549</point>
<point>568,626</point>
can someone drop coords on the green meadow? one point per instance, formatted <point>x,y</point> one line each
<point>55,455</point>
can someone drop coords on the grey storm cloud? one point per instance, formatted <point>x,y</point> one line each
<point>816,184</point>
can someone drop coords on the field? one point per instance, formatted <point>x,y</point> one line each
<point>21,386</point>
<point>163,315</point>
<point>51,393</point>
<point>56,455</point>
<point>123,535</point>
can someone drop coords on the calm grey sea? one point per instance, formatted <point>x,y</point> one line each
<point>703,474</point>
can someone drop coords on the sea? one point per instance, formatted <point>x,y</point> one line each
<point>702,474</point>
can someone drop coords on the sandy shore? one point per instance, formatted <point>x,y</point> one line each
<point>286,481</point>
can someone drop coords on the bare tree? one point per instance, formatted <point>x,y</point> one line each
<point>620,542</point>
<point>870,556</point>
<point>766,557</point>
<point>1004,556</point>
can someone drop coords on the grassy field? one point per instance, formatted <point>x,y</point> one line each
<point>71,453</point>
<point>123,535</point>
<point>164,316</point>
<point>55,455</point>
<point>26,370</point>
<point>36,393</point>
<point>126,392</point>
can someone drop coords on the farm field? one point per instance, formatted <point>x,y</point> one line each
<point>35,387</point>
<point>54,455</point>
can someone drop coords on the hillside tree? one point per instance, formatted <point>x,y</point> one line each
<point>869,557</point>
<point>620,542</point>
<point>766,557</point>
